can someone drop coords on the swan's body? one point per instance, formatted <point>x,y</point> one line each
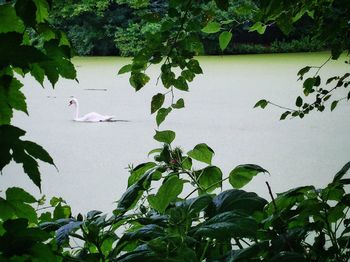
<point>90,117</point>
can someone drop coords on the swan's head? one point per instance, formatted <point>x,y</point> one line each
<point>73,101</point>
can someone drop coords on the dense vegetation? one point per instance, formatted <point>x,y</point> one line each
<point>163,224</point>
<point>113,27</point>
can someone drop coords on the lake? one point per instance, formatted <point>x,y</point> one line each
<point>92,158</point>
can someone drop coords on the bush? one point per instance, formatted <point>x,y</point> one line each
<point>305,44</point>
<point>131,39</point>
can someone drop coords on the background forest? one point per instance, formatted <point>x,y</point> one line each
<point>117,28</point>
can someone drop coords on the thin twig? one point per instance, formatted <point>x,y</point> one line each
<point>271,195</point>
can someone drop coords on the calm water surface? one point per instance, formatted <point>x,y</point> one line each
<point>92,157</point>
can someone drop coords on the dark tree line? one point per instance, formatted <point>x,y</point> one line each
<point>115,28</point>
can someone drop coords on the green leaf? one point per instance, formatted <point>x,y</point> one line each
<point>26,10</point>
<point>139,171</point>
<point>16,98</point>
<point>284,115</point>
<point>13,52</point>
<point>10,22</point>
<point>334,104</point>
<point>179,104</point>
<point>61,211</point>
<point>243,174</point>
<point>194,66</point>
<point>211,28</point>
<point>238,201</point>
<point>198,204</point>
<point>167,193</point>
<point>162,114</point>
<point>10,98</point>
<point>202,153</point>
<point>181,84</point>
<point>42,10</point>
<point>309,84</point>
<point>261,103</point>
<point>125,69</point>
<point>154,151</point>
<point>30,166</point>
<point>38,73</point>
<point>157,102</point>
<point>224,39</point>
<point>188,75</point>
<point>299,101</point>
<point>228,225</point>
<point>303,71</point>
<point>138,80</point>
<point>62,233</point>
<point>60,56</point>
<point>285,23</point>
<point>339,175</point>
<point>129,198</point>
<point>18,194</point>
<point>37,152</point>
<point>166,136</point>
<point>209,178</point>
<point>259,27</point>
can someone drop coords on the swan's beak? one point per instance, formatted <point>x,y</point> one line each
<point>70,103</point>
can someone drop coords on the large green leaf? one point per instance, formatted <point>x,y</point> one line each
<point>18,194</point>
<point>137,172</point>
<point>224,39</point>
<point>243,174</point>
<point>37,152</point>
<point>166,136</point>
<point>12,52</point>
<point>341,172</point>
<point>179,104</point>
<point>236,200</point>
<point>26,10</point>
<point>259,27</point>
<point>209,178</point>
<point>195,205</point>
<point>193,66</point>
<point>125,69</point>
<point>212,27</point>
<point>138,80</point>
<point>180,83</point>
<point>10,98</point>
<point>162,114</point>
<point>202,152</point>
<point>228,225</point>
<point>24,152</point>
<point>10,22</point>
<point>167,193</point>
<point>157,102</point>
<point>42,10</point>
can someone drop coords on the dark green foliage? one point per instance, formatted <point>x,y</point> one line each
<point>23,152</point>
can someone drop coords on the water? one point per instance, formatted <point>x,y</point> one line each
<point>92,157</point>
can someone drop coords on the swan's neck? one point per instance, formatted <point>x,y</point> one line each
<point>76,113</point>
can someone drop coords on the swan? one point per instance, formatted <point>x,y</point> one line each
<point>90,117</point>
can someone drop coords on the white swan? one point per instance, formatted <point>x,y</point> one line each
<point>90,117</point>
